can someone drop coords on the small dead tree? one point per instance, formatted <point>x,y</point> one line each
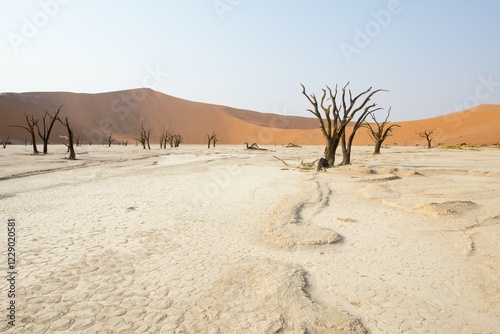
<point>110,140</point>
<point>427,134</point>
<point>212,138</point>
<point>69,145</point>
<point>338,114</point>
<point>144,137</point>
<point>380,131</point>
<point>177,140</point>
<point>165,137</point>
<point>5,141</point>
<point>31,123</point>
<point>47,127</point>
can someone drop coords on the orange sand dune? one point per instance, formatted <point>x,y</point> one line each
<point>121,113</point>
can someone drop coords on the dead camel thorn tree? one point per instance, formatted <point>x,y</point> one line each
<point>69,145</point>
<point>31,123</point>
<point>338,113</point>
<point>177,140</point>
<point>4,142</point>
<point>47,128</point>
<point>212,138</point>
<point>144,137</point>
<point>380,131</point>
<point>427,134</point>
<point>109,140</point>
<point>165,137</point>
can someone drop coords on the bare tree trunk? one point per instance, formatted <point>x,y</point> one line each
<point>378,145</point>
<point>147,139</point>
<point>330,150</point>
<point>71,148</point>
<point>346,151</point>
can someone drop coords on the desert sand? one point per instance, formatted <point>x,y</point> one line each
<point>227,240</point>
<point>95,116</point>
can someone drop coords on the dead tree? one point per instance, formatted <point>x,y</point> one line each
<point>4,142</point>
<point>177,140</point>
<point>347,144</point>
<point>380,131</point>
<point>110,140</point>
<point>427,134</point>
<point>165,137</point>
<point>212,138</point>
<point>338,114</point>
<point>78,142</point>
<point>292,145</point>
<point>144,137</point>
<point>31,123</point>
<point>147,139</point>
<point>47,128</point>
<point>69,145</point>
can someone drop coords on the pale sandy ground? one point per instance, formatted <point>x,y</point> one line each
<point>233,241</point>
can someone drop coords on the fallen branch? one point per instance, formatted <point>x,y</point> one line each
<point>283,161</point>
<point>254,146</point>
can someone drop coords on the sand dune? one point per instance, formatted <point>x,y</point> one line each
<point>95,116</point>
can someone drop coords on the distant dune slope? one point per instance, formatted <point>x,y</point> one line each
<point>121,113</point>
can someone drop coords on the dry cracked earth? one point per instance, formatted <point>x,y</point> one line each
<point>228,241</point>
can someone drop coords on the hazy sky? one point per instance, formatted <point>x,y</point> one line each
<point>433,56</point>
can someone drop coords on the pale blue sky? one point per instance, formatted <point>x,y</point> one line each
<point>433,56</point>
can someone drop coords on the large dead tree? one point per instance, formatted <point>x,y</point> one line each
<point>212,138</point>
<point>69,145</point>
<point>31,123</point>
<point>338,113</point>
<point>427,134</point>
<point>47,127</point>
<point>379,131</point>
